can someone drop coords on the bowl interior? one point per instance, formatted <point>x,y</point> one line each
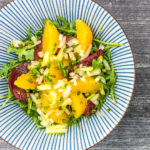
<point>15,126</point>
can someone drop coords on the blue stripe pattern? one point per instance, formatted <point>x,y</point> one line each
<point>20,130</point>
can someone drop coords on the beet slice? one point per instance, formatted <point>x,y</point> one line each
<point>16,72</point>
<point>88,61</point>
<point>89,107</point>
<point>37,50</point>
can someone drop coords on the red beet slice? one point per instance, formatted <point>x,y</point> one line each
<point>37,50</point>
<point>89,107</point>
<point>17,71</point>
<point>88,61</point>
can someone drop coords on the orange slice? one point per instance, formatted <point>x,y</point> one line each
<point>84,34</point>
<point>25,81</point>
<point>78,104</point>
<point>50,38</point>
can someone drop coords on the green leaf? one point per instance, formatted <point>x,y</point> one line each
<point>39,33</point>
<point>8,97</point>
<point>23,53</point>
<point>99,35</point>
<point>61,19</point>
<point>28,37</point>
<point>44,21</point>
<point>108,43</point>
<point>97,63</point>
<point>7,69</point>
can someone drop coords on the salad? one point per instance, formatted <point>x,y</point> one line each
<point>62,73</point>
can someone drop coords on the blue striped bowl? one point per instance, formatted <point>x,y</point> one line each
<point>18,129</point>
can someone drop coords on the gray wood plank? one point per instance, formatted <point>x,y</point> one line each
<point>133,132</point>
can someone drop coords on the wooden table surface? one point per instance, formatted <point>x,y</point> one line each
<point>133,132</point>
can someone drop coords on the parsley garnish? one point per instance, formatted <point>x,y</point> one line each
<point>30,80</point>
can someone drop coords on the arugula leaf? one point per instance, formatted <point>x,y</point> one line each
<point>99,34</point>
<point>108,43</point>
<point>7,69</point>
<point>8,97</point>
<point>97,63</point>
<point>63,20</point>
<point>23,53</point>
<point>28,37</point>
<point>39,33</point>
<point>44,21</point>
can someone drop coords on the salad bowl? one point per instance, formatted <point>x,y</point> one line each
<point>18,129</point>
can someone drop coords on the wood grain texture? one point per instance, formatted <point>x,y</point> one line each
<point>133,132</point>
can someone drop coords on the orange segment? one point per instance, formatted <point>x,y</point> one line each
<point>84,34</point>
<point>78,104</point>
<point>25,81</point>
<point>50,38</point>
<point>88,86</point>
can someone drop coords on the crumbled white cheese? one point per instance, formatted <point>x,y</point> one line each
<point>72,56</point>
<point>59,84</point>
<point>65,55</point>
<point>59,90</point>
<point>72,42</point>
<point>70,49</point>
<point>66,92</point>
<point>74,82</point>
<point>67,101</point>
<point>17,43</point>
<point>37,42</point>
<point>44,87</point>
<point>101,47</point>
<point>46,71</point>
<point>41,54</point>
<point>62,41</point>
<point>33,64</point>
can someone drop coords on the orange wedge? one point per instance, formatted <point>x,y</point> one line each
<point>84,34</point>
<point>50,38</point>
<point>25,81</point>
<point>78,104</point>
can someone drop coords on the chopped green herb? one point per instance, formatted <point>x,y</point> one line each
<point>34,72</point>
<point>49,65</point>
<point>88,98</point>
<point>64,121</point>
<point>65,49</point>
<point>74,46</point>
<point>87,94</point>
<point>75,69</point>
<point>65,85</point>
<point>78,93</point>
<point>93,111</point>
<point>61,100</point>
<point>47,79</point>
<point>108,109</point>
<point>30,80</point>
<point>55,44</point>
<point>46,107</point>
